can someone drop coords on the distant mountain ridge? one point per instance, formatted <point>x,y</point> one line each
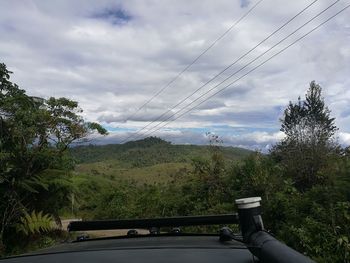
<point>150,151</point>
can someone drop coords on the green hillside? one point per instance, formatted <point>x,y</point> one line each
<point>114,170</point>
<point>149,151</point>
<point>151,160</point>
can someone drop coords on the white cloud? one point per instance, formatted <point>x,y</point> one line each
<point>113,56</point>
<point>344,138</point>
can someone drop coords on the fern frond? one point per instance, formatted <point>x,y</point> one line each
<point>35,223</point>
<point>33,183</point>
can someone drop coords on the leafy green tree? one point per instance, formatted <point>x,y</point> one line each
<point>256,175</point>
<point>310,211</point>
<point>309,141</point>
<point>34,136</point>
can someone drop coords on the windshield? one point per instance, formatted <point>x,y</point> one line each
<point>131,110</point>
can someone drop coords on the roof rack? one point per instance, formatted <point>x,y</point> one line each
<point>153,222</point>
<point>260,242</point>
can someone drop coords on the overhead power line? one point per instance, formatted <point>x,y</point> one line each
<point>195,60</point>
<point>224,70</point>
<point>253,69</point>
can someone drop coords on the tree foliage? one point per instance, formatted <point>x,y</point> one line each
<point>34,136</point>
<point>309,143</point>
<point>309,121</point>
<point>304,184</point>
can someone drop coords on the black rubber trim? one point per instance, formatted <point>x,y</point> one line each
<point>153,222</point>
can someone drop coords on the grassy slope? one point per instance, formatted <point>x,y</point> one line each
<point>151,160</point>
<point>112,170</point>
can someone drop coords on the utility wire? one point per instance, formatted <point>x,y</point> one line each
<point>230,76</point>
<point>195,60</point>
<point>222,71</point>
<point>253,69</point>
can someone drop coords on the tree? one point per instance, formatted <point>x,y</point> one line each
<point>309,140</point>
<point>309,121</point>
<point>34,136</point>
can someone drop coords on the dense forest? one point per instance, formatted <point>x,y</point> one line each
<point>304,180</point>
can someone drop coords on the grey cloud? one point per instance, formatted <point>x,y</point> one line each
<point>212,104</point>
<point>108,118</point>
<point>261,141</point>
<point>235,92</point>
<point>267,118</point>
<point>148,115</point>
<point>245,3</point>
<point>116,15</point>
<point>57,48</point>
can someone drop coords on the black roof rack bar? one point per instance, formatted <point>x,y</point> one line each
<point>153,222</point>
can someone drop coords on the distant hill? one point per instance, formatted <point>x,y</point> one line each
<point>148,161</point>
<point>149,151</point>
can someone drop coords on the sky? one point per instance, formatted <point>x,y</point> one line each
<point>113,56</point>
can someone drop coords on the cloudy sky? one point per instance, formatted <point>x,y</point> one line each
<point>113,56</point>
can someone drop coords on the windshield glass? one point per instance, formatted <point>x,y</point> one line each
<point>136,109</point>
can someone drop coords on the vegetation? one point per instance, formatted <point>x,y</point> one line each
<point>34,171</point>
<point>309,146</point>
<point>147,152</point>
<point>304,180</point>
<point>150,160</point>
<point>35,223</point>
